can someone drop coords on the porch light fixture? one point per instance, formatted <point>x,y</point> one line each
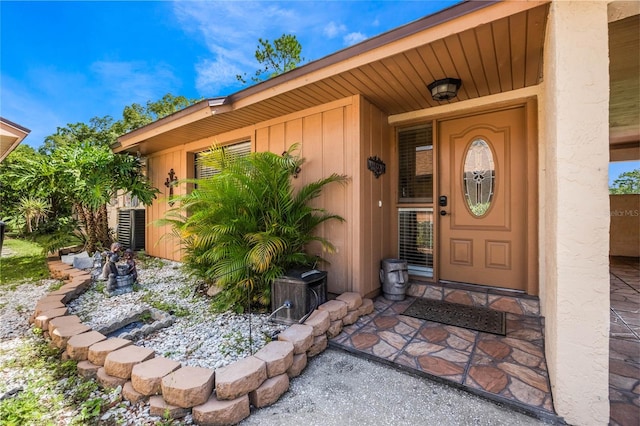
<point>444,89</point>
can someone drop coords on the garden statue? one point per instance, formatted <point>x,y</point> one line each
<point>131,265</point>
<point>111,272</point>
<point>109,264</point>
<point>394,276</point>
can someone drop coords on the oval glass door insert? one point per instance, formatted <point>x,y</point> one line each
<point>478,177</point>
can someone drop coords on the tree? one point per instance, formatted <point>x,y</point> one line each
<point>135,115</point>
<point>275,59</point>
<point>76,172</point>
<point>626,183</point>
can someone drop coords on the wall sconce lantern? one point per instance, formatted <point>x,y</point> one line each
<point>444,89</point>
<point>170,183</point>
<point>376,166</point>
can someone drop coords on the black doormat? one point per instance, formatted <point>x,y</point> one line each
<point>471,317</point>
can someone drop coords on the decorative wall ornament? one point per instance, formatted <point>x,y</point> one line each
<point>376,165</point>
<point>170,183</point>
<point>297,171</point>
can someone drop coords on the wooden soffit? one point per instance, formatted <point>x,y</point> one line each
<point>624,80</point>
<point>493,47</point>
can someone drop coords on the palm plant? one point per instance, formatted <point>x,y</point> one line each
<point>246,225</point>
<point>34,210</point>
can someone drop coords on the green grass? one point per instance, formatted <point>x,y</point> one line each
<point>27,262</point>
<point>51,388</point>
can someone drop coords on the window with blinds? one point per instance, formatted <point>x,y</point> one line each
<point>415,239</point>
<point>415,165</point>
<point>237,149</point>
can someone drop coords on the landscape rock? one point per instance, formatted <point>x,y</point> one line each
<point>78,345</point>
<point>319,345</point>
<point>130,394</point>
<point>222,412</point>
<point>351,317</point>
<point>42,321</point>
<point>87,369</point>
<point>334,329</point>
<point>270,391</point>
<point>336,308</point>
<point>300,335</point>
<point>108,381</point>
<point>240,377</point>
<point>159,407</point>
<point>353,300</point>
<point>146,377</point>
<point>278,356</point>
<point>99,351</point>
<point>188,386</point>
<point>119,363</point>
<point>366,308</point>
<point>62,334</point>
<point>299,364</point>
<point>320,321</point>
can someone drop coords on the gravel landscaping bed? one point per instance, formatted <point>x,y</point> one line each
<point>197,337</point>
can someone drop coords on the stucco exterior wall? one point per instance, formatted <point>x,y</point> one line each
<point>625,225</point>
<point>575,231</point>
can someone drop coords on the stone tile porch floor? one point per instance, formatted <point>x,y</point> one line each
<point>508,369</point>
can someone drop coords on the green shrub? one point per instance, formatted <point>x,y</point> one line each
<point>246,225</point>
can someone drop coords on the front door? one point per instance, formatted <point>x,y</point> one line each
<point>482,199</point>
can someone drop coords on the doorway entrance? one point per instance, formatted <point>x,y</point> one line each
<point>482,199</point>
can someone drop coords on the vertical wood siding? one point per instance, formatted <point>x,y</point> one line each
<point>375,220</point>
<point>337,138</point>
<point>159,242</point>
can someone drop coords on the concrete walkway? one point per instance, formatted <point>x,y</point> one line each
<point>340,389</point>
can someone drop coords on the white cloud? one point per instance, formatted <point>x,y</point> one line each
<point>213,75</point>
<point>136,81</point>
<point>353,38</point>
<point>231,30</point>
<point>332,29</point>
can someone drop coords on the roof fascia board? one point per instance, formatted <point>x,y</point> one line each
<point>21,129</point>
<point>195,112</point>
<point>453,20</point>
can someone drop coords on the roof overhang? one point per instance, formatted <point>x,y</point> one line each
<point>624,80</point>
<point>472,40</point>
<point>11,134</point>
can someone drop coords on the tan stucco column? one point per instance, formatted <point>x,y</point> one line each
<point>574,223</point>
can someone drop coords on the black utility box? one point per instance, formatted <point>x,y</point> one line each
<point>303,289</point>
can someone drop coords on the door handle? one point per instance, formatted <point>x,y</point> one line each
<point>443,213</point>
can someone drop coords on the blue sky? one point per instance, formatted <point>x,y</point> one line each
<point>66,62</point>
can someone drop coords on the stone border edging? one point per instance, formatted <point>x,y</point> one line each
<point>214,397</point>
